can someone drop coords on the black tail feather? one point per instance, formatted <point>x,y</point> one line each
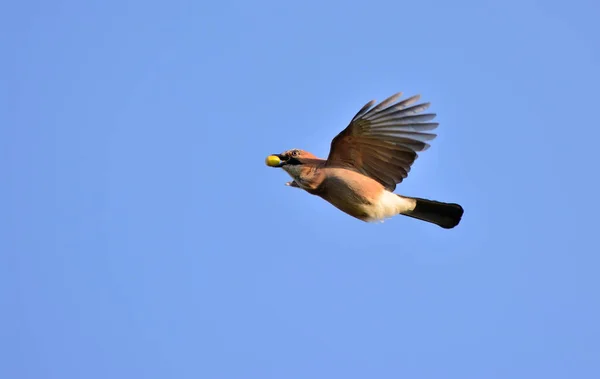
<point>446,215</point>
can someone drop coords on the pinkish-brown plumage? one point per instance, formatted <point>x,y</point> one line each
<point>368,159</point>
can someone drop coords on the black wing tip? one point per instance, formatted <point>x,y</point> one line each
<point>390,101</point>
<point>364,109</point>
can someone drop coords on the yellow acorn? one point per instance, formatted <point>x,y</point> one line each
<point>273,161</point>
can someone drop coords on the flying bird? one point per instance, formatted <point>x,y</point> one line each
<point>367,160</point>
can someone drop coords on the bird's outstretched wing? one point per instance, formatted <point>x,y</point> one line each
<point>382,142</point>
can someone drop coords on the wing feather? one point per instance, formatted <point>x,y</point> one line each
<point>382,142</point>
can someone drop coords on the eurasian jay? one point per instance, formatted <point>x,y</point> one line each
<point>367,160</point>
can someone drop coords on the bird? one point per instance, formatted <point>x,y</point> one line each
<point>367,160</point>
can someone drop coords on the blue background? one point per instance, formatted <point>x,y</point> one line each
<point>142,235</point>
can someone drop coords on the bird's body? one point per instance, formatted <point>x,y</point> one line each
<point>366,161</point>
<point>351,192</point>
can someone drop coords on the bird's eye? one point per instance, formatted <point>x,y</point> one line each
<point>295,153</point>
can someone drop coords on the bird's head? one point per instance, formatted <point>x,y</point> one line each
<point>292,161</point>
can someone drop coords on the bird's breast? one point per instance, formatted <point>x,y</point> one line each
<point>350,191</point>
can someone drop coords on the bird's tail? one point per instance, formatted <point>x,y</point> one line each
<point>446,215</point>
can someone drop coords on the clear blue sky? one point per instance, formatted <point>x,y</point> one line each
<point>142,235</point>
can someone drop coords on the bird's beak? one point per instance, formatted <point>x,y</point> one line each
<point>275,160</point>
